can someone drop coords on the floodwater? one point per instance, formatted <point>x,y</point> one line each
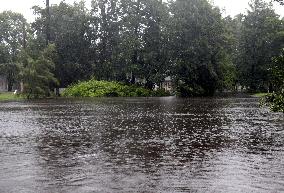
<point>141,145</point>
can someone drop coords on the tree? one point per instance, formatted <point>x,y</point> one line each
<point>69,29</point>
<point>37,73</point>
<point>129,40</point>
<point>196,41</point>
<point>155,49</point>
<point>259,29</point>
<point>277,72</point>
<point>276,99</point>
<point>142,42</point>
<point>106,20</point>
<point>12,40</point>
<point>132,30</point>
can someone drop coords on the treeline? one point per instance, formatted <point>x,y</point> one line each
<point>142,42</point>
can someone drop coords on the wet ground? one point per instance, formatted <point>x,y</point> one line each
<point>141,145</point>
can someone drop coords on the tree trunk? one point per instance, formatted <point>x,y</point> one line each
<point>10,86</point>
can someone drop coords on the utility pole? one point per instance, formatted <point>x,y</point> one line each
<point>47,22</point>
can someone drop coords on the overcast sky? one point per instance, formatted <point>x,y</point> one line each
<point>231,7</point>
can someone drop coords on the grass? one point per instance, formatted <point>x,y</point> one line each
<point>259,95</point>
<point>9,96</point>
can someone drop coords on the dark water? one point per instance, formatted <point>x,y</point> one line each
<point>141,145</point>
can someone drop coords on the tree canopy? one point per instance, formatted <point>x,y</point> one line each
<point>142,42</point>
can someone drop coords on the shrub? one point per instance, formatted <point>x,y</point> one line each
<point>161,92</point>
<point>95,88</point>
<point>275,101</point>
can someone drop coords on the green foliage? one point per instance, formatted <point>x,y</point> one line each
<point>148,40</point>
<point>12,40</point>
<point>160,93</point>
<point>275,101</point>
<point>12,32</point>
<point>259,42</point>
<point>197,36</point>
<point>71,32</point>
<point>277,71</point>
<point>229,76</point>
<point>37,74</point>
<point>95,88</point>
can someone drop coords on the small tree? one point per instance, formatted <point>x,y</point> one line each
<point>37,73</point>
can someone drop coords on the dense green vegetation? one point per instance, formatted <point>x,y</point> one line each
<point>11,44</point>
<point>94,88</point>
<point>275,100</point>
<point>142,42</point>
<point>37,72</point>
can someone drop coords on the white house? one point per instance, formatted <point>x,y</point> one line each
<point>168,84</point>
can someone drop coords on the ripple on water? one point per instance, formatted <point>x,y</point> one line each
<point>141,145</point>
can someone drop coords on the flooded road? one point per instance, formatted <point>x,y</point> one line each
<point>141,145</point>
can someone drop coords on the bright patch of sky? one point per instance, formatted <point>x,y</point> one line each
<point>229,7</point>
<point>234,7</point>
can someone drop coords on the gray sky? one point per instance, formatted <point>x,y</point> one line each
<point>231,7</point>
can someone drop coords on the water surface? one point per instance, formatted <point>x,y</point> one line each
<point>141,145</point>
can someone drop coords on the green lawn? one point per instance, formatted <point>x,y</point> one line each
<point>9,96</point>
<point>259,94</point>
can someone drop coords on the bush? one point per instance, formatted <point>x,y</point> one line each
<point>161,92</point>
<point>275,101</point>
<point>95,88</point>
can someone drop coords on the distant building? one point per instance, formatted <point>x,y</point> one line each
<point>168,84</point>
<point>3,84</point>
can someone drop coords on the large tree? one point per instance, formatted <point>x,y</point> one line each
<point>69,29</point>
<point>105,22</point>
<point>260,29</point>
<point>37,72</point>
<point>12,40</point>
<point>196,46</point>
